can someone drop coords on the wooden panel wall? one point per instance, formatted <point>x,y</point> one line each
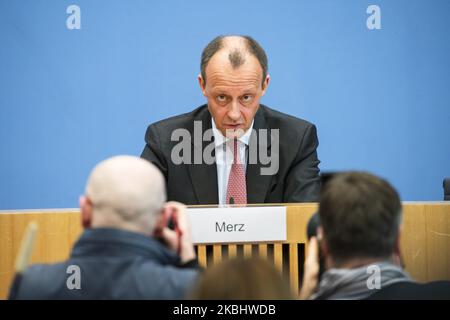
<point>425,241</point>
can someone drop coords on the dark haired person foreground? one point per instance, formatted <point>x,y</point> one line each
<point>359,237</point>
<point>126,250</point>
<point>238,150</point>
<point>242,279</point>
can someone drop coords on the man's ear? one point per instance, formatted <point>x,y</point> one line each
<point>202,84</point>
<point>265,84</point>
<point>397,247</point>
<point>86,212</point>
<point>397,253</point>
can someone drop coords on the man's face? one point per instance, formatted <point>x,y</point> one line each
<point>233,94</point>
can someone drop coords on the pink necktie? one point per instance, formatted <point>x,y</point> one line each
<point>237,188</point>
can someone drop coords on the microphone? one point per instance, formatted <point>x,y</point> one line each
<point>231,200</point>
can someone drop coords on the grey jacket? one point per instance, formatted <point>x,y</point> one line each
<point>359,283</point>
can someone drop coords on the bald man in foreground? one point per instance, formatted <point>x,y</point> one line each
<point>126,250</point>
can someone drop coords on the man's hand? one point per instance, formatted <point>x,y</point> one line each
<point>311,270</point>
<point>179,239</point>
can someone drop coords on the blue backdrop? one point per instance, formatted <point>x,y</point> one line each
<point>72,97</point>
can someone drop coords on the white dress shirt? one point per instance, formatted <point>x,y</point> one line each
<point>224,158</point>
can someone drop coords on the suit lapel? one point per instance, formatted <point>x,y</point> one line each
<point>257,184</point>
<point>203,176</point>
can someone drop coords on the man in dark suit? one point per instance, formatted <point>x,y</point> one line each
<point>126,250</point>
<point>234,149</point>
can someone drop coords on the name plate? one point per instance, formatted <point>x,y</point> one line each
<point>237,224</point>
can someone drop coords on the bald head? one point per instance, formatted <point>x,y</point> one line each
<point>237,49</point>
<point>126,192</point>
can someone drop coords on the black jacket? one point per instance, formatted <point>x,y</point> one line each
<point>113,264</point>
<point>297,179</point>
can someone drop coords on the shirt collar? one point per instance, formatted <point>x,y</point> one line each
<point>220,139</point>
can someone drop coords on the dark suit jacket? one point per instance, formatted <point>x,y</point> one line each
<point>297,179</point>
<point>114,264</point>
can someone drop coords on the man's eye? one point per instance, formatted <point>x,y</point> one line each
<point>221,98</point>
<point>247,98</point>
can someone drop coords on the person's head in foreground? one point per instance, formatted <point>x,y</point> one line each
<point>125,193</point>
<point>360,217</point>
<point>359,237</point>
<point>126,250</point>
<point>242,279</point>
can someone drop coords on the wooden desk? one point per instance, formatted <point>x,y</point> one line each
<point>425,241</point>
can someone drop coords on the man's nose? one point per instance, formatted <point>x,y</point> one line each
<point>234,113</point>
